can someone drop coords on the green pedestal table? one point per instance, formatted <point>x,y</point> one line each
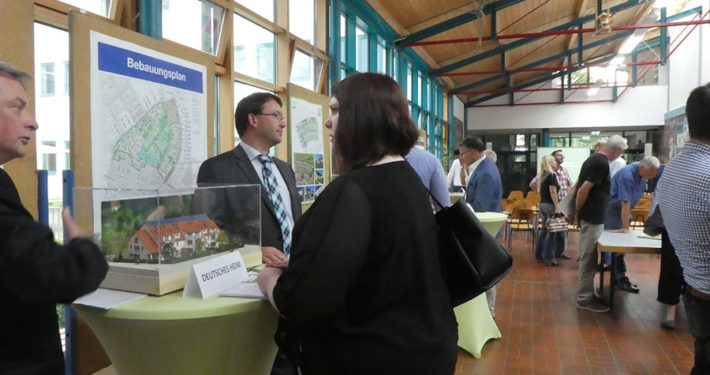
<point>174,335</point>
<point>476,325</point>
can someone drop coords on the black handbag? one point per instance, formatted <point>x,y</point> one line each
<point>653,226</point>
<point>472,260</point>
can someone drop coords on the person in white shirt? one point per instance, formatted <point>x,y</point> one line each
<point>458,176</point>
<point>616,165</point>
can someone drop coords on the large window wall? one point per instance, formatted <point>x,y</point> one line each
<point>360,41</point>
<point>262,45</point>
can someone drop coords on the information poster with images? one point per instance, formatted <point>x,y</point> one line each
<point>675,132</point>
<point>307,147</point>
<point>148,116</point>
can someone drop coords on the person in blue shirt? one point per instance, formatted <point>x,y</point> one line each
<point>432,175</point>
<point>627,187</point>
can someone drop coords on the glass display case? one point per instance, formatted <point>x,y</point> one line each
<point>151,238</point>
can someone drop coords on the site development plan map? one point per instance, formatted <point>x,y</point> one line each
<point>148,117</point>
<point>307,144</point>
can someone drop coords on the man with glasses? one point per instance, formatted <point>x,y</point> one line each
<point>260,124</point>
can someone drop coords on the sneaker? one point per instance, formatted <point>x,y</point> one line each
<point>593,304</point>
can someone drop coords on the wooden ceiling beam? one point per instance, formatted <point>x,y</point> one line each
<point>519,43</point>
<point>448,15</point>
<point>382,11</point>
<point>579,7</point>
<point>545,60</point>
<point>385,14</point>
<point>533,81</point>
<point>454,22</point>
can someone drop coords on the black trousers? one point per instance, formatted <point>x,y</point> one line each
<point>670,280</point>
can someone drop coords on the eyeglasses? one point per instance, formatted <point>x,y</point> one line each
<point>277,116</point>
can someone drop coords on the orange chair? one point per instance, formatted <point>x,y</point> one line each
<point>515,195</point>
<point>522,220</point>
<point>533,196</point>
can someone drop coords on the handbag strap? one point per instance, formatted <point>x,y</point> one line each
<point>441,206</point>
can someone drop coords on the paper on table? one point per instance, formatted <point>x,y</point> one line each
<point>243,290</point>
<point>643,235</point>
<point>107,298</point>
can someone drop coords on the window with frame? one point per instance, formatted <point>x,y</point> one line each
<point>305,70</point>
<point>66,78</point>
<point>381,58</point>
<point>47,78</point>
<point>419,89</point>
<point>395,66</point>
<point>196,24</point>
<point>67,155</point>
<point>100,7</point>
<point>647,75</point>
<point>409,82</point>
<point>49,156</point>
<point>301,19</point>
<point>51,44</point>
<point>589,139</point>
<point>264,8</point>
<point>361,50</point>
<point>254,50</point>
<point>343,38</point>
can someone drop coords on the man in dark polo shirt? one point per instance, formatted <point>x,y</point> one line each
<point>591,202</point>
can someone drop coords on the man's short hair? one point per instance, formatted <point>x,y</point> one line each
<point>616,142</point>
<point>473,143</point>
<point>253,103</point>
<point>697,109</point>
<point>650,162</point>
<point>10,71</point>
<point>556,151</point>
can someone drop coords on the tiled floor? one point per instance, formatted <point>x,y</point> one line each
<point>544,333</point>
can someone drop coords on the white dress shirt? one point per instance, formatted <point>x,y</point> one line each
<point>253,155</point>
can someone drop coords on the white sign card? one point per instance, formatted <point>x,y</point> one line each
<point>213,276</point>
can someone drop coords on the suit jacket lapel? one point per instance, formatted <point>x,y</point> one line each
<point>248,169</point>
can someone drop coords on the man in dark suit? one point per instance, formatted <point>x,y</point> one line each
<point>260,125</point>
<point>484,189</point>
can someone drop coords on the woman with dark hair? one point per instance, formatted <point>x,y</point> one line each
<point>363,292</point>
